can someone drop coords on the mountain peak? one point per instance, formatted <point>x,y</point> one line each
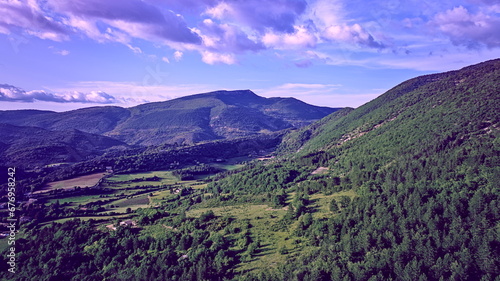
<point>207,116</point>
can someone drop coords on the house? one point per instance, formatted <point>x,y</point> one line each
<point>111,227</point>
<point>128,223</point>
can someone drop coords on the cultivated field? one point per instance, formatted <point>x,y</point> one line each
<point>83,181</point>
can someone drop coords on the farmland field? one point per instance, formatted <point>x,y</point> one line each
<point>166,177</point>
<point>134,203</point>
<point>83,181</point>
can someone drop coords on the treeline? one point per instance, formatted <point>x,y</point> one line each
<point>262,178</point>
<point>190,172</point>
<point>74,250</point>
<point>150,160</point>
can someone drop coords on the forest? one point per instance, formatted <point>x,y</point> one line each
<point>404,187</point>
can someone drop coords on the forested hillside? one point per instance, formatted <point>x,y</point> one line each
<point>424,159</point>
<point>34,146</point>
<point>405,187</point>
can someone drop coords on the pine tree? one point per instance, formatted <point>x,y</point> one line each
<point>334,208</point>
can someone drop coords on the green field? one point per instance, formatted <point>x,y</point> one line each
<point>75,200</point>
<point>261,218</point>
<point>166,177</point>
<point>86,218</point>
<point>134,203</point>
<point>124,186</point>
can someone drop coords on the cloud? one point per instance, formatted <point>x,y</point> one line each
<point>277,15</point>
<point>354,34</point>
<point>299,89</point>
<point>165,59</point>
<point>330,19</point>
<point>131,94</point>
<point>304,63</point>
<point>29,16</point>
<point>125,19</point>
<point>468,29</point>
<point>59,52</point>
<point>301,38</point>
<point>226,38</point>
<point>319,94</point>
<point>215,58</point>
<point>12,93</point>
<point>178,55</point>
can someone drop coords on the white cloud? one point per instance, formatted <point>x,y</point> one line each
<point>62,52</point>
<point>301,38</point>
<point>214,58</point>
<point>59,51</point>
<point>165,59</point>
<point>11,93</point>
<point>131,94</point>
<point>326,13</point>
<point>178,55</point>
<point>354,34</point>
<point>220,10</point>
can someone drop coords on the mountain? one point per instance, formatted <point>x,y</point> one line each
<point>421,164</point>
<point>404,187</point>
<point>447,107</point>
<point>33,146</point>
<point>201,117</point>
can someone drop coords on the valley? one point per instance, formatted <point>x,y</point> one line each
<point>405,187</point>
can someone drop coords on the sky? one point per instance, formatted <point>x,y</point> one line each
<point>62,55</point>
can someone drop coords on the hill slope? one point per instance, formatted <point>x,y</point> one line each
<point>201,117</point>
<point>440,107</point>
<point>402,188</point>
<point>33,146</point>
<point>424,161</point>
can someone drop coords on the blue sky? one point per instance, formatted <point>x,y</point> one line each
<point>62,55</point>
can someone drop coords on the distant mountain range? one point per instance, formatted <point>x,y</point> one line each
<point>186,120</point>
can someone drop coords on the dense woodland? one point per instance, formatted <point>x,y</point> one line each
<point>423,160</point>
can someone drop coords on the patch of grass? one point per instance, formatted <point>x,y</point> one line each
<point>261,218</point>
<point>97,218</point>
<point>321,203</point>
<point>141,201</point>
<point>75,200</point>
<point>166,177</point>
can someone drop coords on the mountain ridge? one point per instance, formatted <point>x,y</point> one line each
<point>190,119</point>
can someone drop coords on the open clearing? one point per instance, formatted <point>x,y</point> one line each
<point>140,201</point>
<point>82,181</point>
<point>261,218</point>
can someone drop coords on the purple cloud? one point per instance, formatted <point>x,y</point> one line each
<point>467,29</point>
<point>12,93</point>
<point>136,18</point>
<point>352,34</point>
<point>278,15</point>
<point>304,63</point>
<point>31,18</point>
<point>226,38</point>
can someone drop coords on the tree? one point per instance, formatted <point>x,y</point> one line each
<point>334,208</point>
